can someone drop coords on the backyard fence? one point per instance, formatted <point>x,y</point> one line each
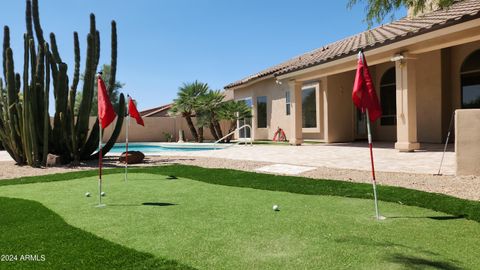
<point>157,128</point>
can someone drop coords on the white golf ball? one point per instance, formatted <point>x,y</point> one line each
<point>87,194</point>
<point>103,194</point>
<point>276,208</point>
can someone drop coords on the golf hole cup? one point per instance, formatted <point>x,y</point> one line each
<point>276,208</point>
<point>87,194</point>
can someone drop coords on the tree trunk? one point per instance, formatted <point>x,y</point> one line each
<point>214,132</point>
<point>218,128</point>
<point>200,134</point>
<point>233,126</point>
<point>191,127</point>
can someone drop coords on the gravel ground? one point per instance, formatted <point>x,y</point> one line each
<point>462,187</point>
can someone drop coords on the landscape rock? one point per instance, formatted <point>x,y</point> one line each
<point>134,157</point>
<point>53,160</point>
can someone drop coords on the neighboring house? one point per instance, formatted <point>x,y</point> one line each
<point>423,68</point>
<point>161,111</point>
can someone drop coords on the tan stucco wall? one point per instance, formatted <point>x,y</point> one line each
<point>340,107</point>
<point>429,97</point>
<point>154,129</point>
<point>467,143</point>
<point>276,107</point>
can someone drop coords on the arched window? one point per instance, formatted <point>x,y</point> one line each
<point>388,98</point>
<point>470,79</point>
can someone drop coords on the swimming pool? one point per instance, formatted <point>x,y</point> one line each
<point>119,148</point>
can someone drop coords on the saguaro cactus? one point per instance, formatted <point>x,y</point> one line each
<point>26,130</point>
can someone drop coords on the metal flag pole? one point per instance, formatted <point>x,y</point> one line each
<point>126,140</point>
<point>446,144</point>
<point>100,157</point>
<point>374,181</point>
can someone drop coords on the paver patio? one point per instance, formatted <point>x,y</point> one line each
<point>341,156</point>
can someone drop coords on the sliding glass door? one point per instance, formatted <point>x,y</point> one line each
<point>245,133</point>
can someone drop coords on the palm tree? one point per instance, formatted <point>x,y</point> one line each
<point>233,111</point>
<point>207,114</point>
<point>186,104</point>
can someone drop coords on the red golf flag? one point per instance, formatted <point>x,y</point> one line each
<point>364,95</point>
<point>132,110</point>
<point>106,114</point>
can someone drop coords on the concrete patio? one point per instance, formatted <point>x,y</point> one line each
<point>341,156</point>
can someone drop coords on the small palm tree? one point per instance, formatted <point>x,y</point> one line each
<point>187,104</point>
<point>233,111</point>
<point>207,116</point>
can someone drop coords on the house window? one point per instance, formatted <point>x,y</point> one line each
<point>309,107</point>
<point>470,77</point>
<point>261,112</point>
<point>287,102</point>
<point>388,98</point>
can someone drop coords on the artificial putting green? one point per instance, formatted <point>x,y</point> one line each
<point>210,226</point>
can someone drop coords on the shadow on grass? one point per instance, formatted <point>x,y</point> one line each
<point>158,204</point>
<point>162,204</point>
<point>30,228</point>
<point>411,262</point>
<point>384,244</point>
<point>429,217</point>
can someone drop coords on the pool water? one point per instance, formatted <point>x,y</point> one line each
<point>152,148</point>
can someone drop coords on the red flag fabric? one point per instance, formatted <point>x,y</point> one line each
<point>106,114</point>
<point>364,95</point>
<point>133,112</point>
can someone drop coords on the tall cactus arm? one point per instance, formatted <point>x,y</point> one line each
<point>38,95</point>
<point>46,116</point>
<point>55,53</point>
<point>87,94</point>
<point>6,45</point>
<point>113,63</point>
<point>28,18</point>
<point>116,131</point>
<point>12,96</point>
<point>76,72</point>
<point>26,94</point>
<point>33,61</point>
<point>92,142</point>
<point>36,22</point>
<point>97,47</point>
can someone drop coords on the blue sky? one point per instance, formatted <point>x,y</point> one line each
<point>164,43</point>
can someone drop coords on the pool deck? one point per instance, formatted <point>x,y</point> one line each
<point>341,156</point>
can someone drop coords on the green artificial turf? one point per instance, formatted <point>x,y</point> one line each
<point>34,237</point>
<point>301,185</point>
<point>227,227</point>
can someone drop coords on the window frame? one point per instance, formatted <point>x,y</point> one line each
<point>382,86</point>
<point>316,86</point>
<point>258,113</point>
<point>466,73</point>
<point>288,103</point>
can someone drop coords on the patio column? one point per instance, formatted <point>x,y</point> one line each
<point>296,113</point>
<point>406,105</point>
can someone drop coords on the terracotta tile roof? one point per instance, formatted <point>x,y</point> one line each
<point>152,111</point>
<point>383,35</point>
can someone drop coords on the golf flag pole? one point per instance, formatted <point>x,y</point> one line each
<point>126,140</point>
<point>365,98</point>
<point>374,181</point>
<point>106,115</point>
<point>100,157</point>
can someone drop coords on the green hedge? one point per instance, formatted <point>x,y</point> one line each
<point>301,185</point>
